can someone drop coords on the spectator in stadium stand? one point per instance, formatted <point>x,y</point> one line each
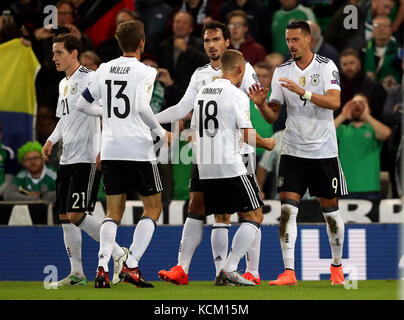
<point>320,46</point>
<point>392,116</point>
<point>359,146</point>
<point>47,81</point>
<point>36,182</point>
<point>237,22</point>
<point>200,11</point>
<point>154,14</point>
<point>182,53</point>
<point>274,59</point>
<point>342,38</point>
<point>45,124</point>
<point>8,165</point>
<point>291,10</point>
<point>353,81</point>
<point>259,18</point>
<point>90,60</point>
<point>109,48</point>
<point>381,61</point>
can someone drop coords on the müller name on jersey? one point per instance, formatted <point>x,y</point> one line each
<point>212,90</point>
<point>119,70</point>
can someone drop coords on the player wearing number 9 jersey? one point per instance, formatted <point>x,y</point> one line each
<point>128,158</point>
<point>309,86</point>
<point>77,178</point>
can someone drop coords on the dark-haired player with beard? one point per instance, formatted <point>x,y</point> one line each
<point>216,39</point>
<point>309,86</point>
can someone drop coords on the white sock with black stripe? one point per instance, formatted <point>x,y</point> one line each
<point>219,240</point>
<point>288,232</point>
<point>72,239</point>
<point>141,239</point>
<point>192,233</point>
<point>107,241</point>
<point>242,241</point>
<point>252,256</point>
<point>335,232</point>
<point>92,227</point>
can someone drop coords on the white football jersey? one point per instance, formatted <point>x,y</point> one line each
<point>216,120</point>
<point>125,86</point>
<point>310,130</point>
<point>200,78</point>
<point>81,132</point>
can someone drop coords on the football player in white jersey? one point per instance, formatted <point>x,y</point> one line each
<point>218,122</point>
<point>77,178</point>
<point>128,158</point>
<point>309,86</point>
<point>216,39</point>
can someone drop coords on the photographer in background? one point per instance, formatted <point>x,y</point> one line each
<point>48,78</point>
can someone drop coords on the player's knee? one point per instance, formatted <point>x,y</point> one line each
<point>196,205</point>
<point>222,218</point>
<point>75,217</point>
<point>255,215</point>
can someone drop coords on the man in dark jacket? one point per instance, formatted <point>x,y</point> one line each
<point>182,53</point>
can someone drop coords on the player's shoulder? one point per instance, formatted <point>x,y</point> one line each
<point>203,68</point>
<point>287,63</point>
<point>322,60</point>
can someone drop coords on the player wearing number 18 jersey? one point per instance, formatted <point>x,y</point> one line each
<point>309,86</point>
<point>128,158</point>
<point>216,40</point>
<point>218,121</point>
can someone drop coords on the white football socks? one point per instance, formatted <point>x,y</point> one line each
<point>242,241</point>
<point>107,241</point>
<point>141,239</point>
<point>335,231</point>
<point>192,233</point>
<point>252,257</point>
<point>288,234</point>
<point>72,240</point>
<point>92,226</point>
<point>219,240</point>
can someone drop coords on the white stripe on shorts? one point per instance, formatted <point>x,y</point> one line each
<point>157,180</point>
<point>90,183</point>
<point>250,191</point>
<point>342,181</point>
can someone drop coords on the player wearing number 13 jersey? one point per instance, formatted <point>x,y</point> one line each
<point>128,158</point>
<point>309,86</point>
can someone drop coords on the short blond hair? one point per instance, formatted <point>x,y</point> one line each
<point>231,59</point>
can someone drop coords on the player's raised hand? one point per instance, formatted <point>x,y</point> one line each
<point>291,86</point>
<point>258,94</point>
<point>270,143</point>
<point>47,150</point>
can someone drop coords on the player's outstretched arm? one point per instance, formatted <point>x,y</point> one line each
<point>252,137</point>
<point>269,110</point>
<point>89,108</point>
<point>330,100</point>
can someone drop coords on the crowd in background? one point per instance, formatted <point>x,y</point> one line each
<point>368,55</point>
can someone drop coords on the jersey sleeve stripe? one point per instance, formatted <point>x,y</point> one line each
<point>87,95</point>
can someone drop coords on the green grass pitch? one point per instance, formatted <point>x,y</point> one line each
<point>204,290</point>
